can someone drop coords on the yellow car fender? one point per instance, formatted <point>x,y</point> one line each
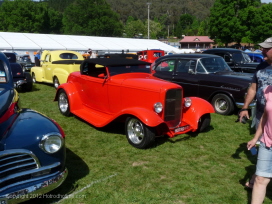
<point>61,74</point>
<point>38,72</point>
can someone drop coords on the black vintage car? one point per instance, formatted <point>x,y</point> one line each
<point>25,61</point>
<point>238,60</point>
<point>205,76</point>
<point>22,80</point>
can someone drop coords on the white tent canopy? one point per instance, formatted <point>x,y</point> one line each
<point>32,42</point>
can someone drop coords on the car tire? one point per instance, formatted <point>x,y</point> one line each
<point>223,104</point>
<point>204,122</point>
<point>29,83</point>
<point>138,134</point>
<point>63,103</point>
<point>34,78</point>
<point>56,82</point>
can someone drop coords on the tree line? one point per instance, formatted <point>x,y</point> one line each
<point>224,21</point>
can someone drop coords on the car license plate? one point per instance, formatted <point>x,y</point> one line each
<point>181,129</point>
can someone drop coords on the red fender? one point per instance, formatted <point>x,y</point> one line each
<point>148,117</point>
<point>72,93</point>
<point>198,108</point>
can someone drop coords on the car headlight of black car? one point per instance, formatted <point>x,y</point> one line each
<point>51,142</point>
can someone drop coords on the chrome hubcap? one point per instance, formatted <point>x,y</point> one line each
<point>63,102</point>
<point>221,105</point>
<point>135,131</point>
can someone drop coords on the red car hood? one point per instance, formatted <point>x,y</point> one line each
<point>144,81</point>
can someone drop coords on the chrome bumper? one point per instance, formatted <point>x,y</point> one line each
<point>251,105</point>
<point>34,190</point>
<point>19,83</point>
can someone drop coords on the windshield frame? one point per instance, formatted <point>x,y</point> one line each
<point>4,73</point>
<point>128,69</point>
<point>216,64</point>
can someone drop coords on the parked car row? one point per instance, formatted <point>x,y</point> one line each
<point>25,61</point>
<point>238,60</point>
<point>176,94</point>
<point>22,79</point>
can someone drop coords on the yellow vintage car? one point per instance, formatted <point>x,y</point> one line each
<point>56,66</point>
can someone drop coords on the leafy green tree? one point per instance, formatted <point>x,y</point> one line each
<point>154,29</point>
<point>261,25</point>
<point>203,29</point>
<point>59,5</point>
<point>21,16</point>
<point>183,25</point>
<point>228,19</point>
<point>28,16</point>
<point>134,27</point>
<point>84,17</point>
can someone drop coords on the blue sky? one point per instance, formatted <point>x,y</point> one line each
<point>266,1</point>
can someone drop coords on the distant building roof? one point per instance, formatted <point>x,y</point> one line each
<point>193,39</point>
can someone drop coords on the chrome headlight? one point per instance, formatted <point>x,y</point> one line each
<point>187,102</point>
<point>51,143</point>
<point>158,107</point>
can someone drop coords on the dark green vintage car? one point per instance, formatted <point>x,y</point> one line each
<point>32,146</point>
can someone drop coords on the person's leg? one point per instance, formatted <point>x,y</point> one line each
<point>263,174</point>
<point>259,189</point>
<point>250,183</point>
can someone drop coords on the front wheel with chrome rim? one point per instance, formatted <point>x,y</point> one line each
<point>138,134</point>
<point>63,103</point>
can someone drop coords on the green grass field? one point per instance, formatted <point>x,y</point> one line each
<point>209,168</point>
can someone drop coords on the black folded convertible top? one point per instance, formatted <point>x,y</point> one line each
<point>115,61</point>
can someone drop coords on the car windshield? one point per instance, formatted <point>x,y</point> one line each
<point>114,70</point>
<point>211,65</point>
<point>3,75</point>
<point>247,58</point>
<point>26,58</point>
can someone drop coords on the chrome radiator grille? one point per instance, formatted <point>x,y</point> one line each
<point>15,166</point>
<point>173,103</point>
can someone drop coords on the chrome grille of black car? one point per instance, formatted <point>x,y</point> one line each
<point>14,164</point>
<point>173,105</point>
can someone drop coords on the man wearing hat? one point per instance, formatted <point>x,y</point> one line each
<point>90,52</point>
<point>261,79</point>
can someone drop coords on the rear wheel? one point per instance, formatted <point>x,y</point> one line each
<point>138,134</point>
<point>56,82</point>
<point>223,104</point>
<point>29,83</point>
<point>63,103</point>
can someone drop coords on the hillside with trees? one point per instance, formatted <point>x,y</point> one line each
<point>224,21</point>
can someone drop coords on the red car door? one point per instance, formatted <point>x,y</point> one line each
<point>94,93</point>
